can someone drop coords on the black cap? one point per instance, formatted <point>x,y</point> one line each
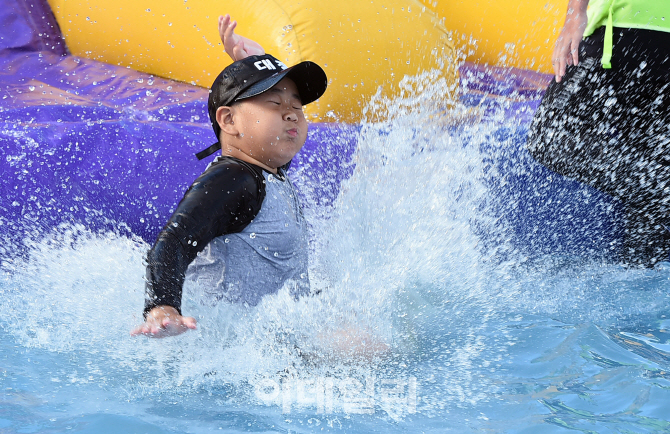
<point>254,75</point>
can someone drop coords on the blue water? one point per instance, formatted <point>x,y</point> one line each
<point>418,255</point>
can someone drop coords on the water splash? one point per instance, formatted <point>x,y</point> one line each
<point>412,257</point>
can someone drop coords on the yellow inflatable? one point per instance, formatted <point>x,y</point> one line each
<point>517,33</point>
<point>361,44</point>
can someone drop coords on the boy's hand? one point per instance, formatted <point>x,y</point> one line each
<point>238,47</point>
<point>163,321</point>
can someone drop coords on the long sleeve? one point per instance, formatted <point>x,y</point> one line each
<point>223,200</point>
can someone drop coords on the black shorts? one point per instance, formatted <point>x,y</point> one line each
<point>610,128</point>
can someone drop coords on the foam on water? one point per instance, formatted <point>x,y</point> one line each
<point>401,261</point>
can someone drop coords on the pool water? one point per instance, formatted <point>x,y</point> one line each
<point>480,334</point>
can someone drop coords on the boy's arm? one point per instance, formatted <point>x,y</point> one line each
<point>238,47</point>
<point>222,200</point>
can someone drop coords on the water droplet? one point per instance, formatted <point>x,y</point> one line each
<point>276,255</point>
<point>252,235</point>
<point>610,101</point>
<point>227,240</point>
<point>31,88</point>
<point>195,243</point>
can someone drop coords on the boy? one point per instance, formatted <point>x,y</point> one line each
<point>239,229</point>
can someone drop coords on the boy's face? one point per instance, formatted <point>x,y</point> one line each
<point>271,126</point>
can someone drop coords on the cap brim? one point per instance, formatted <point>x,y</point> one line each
<point>309,79</point>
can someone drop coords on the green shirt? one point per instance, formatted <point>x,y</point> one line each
<point>638,14</point>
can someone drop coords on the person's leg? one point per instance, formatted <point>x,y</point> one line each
<point>562,134</point>
<point>609,129</point>
<point>645,180</point>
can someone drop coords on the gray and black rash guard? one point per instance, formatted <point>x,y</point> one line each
<point>239,232</point>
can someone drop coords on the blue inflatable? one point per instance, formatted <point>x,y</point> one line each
<point>109,147</point>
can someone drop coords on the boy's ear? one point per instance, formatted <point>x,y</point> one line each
<point>224,117</point>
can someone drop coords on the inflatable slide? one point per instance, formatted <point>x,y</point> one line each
<point>104,104</point>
